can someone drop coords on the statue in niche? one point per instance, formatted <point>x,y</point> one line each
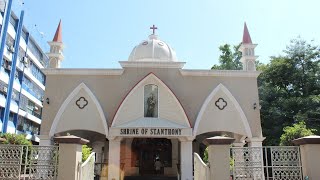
<point>151,104</point>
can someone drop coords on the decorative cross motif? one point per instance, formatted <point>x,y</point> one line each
<point>81,102</point>
<point>221,103</point>
<point>153,29</point>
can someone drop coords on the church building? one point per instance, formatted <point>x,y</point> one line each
<point>151,109</point>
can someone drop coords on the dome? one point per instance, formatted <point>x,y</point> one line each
<point>153,49</point>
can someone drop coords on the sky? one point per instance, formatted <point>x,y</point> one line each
<point>99,33</point>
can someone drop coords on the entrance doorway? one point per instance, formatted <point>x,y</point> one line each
<point>146,151</point>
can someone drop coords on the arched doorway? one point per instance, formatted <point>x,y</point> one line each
<point>145,151</point>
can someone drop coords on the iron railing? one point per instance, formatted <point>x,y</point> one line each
<point>28,162</point>
<point>266,163</point>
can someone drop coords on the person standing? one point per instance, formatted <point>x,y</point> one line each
<point>157,166</point>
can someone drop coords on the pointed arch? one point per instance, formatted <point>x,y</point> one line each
<point>205,105</point>
<point>133,92</point>
<point>65,104</point>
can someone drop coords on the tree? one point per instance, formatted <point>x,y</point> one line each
<point>289,89</point>
<point>86,151</point>
<point>16,139</point>
<point>295,131</point>
<point>229,59</point>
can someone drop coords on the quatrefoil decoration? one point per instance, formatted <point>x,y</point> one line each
<point>81,102</point>
<point>221,103</point>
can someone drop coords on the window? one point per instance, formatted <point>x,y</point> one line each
<point>24,34</point>
<point>151,100</point>
<point>30,107</point>
<point>37,73</point>
<point>11,117</point>
<point>20,123</point>
<point>9,41</point>
<point>23,102</point>
<point>13,21</point>
<point>251,66</point>
<point>32,88</point>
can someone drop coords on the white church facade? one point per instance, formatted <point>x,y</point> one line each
<point>152,108</point>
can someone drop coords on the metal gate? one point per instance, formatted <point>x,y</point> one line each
<point>266,163</point>
<point>28,162</point>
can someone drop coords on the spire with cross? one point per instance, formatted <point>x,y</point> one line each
<point>153,29</point>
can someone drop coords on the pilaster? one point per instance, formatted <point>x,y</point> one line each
<point>45,140</point>
<point>114,159</point>
<point>186,163</point>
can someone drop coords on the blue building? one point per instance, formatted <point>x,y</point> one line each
<point>29,83</point>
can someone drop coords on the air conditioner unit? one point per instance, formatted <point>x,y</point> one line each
<point>11,49</point>
<point>7,66</point>
<point>5,89</point>
<point>25,61</point>
<point>36,108</point>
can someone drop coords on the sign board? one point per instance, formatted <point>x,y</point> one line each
<point>151,132</point>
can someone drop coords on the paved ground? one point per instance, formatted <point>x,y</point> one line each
<point>149,178</point>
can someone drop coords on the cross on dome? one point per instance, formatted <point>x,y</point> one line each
<point>153,29</point>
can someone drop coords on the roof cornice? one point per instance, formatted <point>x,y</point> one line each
<point>152,64</point>
<point>220,73</point>
<point>82,71</point>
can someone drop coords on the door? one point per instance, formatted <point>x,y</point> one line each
<point>147,150</point>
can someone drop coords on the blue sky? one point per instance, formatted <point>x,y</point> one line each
<point>99,33</point>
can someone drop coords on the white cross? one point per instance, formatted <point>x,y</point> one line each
<point>221,103</point>
<point>81,102</point>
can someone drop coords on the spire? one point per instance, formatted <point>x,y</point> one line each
<point>56,48</point>
<point>246,36</point>
<point>58,35</point>
<point>248,58</point>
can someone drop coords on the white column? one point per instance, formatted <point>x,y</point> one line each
<point>114,159</point>
<point>175,155</point>
<point>186,160</point>
<point>256,144</point>
<point>45,140</point>
<point>104,167</point>
<point>97,148</point>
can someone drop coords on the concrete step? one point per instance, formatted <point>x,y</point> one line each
<point>149,178</point>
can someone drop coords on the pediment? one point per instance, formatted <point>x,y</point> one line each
<point>132,108</point>
<point>221,112</point>
<point>80,111</point>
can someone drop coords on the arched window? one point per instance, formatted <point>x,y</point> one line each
<point>251,66</point>
<point>151,100</point>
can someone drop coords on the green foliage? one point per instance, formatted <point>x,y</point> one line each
<point>229,59</point>
<point>206,156</point>
<point>289,86</point>
<point>86,151</point>
<point>289,90</point>
<point>293,132</point>
<point>16,139</point>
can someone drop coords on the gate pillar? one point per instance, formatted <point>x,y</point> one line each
<point>219,157</point>
<point>310,156</point>
<point>70,156</point>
